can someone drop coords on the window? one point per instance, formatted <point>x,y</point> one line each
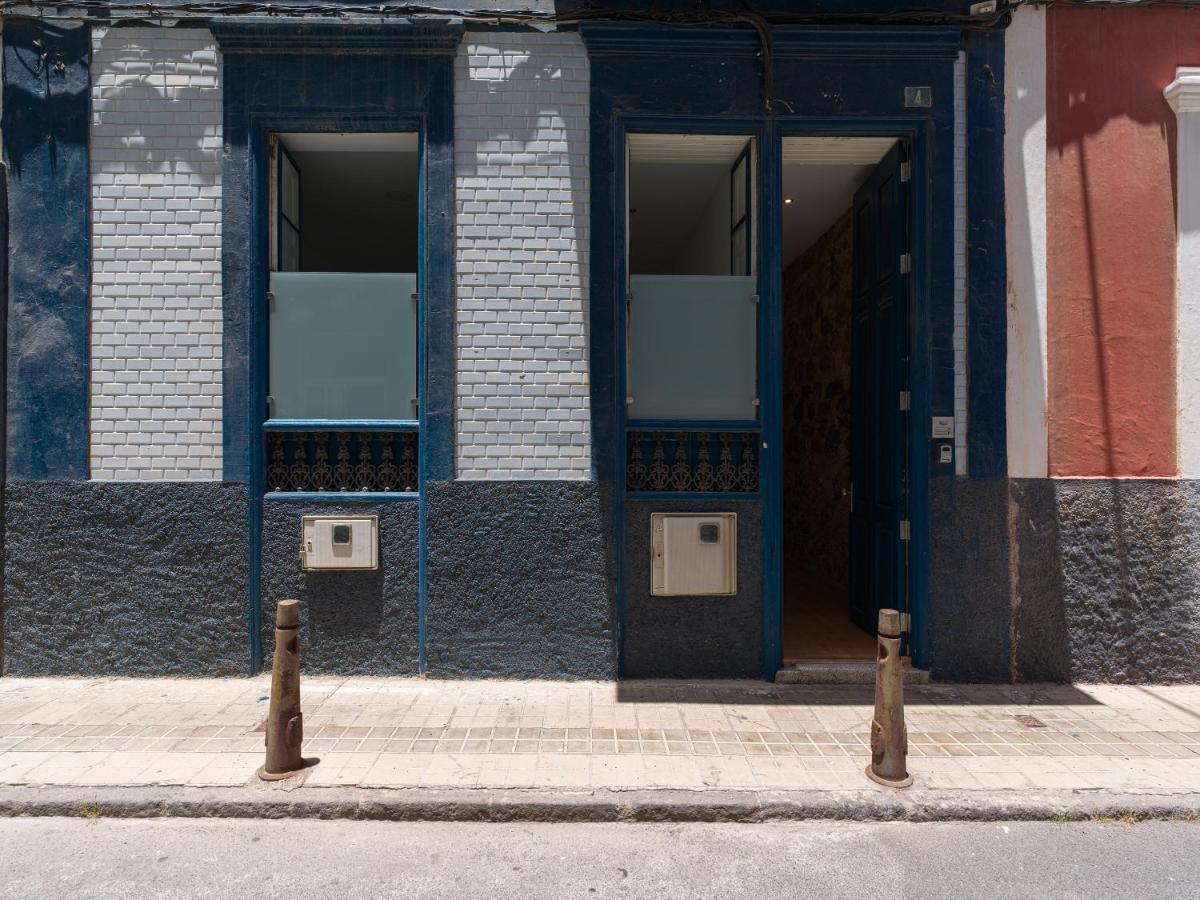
<point>343,308</point>
<point>692,320</point>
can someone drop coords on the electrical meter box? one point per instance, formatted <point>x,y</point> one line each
<point>348,543</point>
<point>693,555</point>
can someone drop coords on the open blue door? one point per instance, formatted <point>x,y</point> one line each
<point>879,366</point>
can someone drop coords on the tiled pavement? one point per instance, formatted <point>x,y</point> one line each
<point>630,735</point>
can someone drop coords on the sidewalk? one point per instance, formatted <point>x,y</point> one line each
<point>740,744</point>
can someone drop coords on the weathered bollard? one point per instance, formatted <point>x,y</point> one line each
<point>285,724</point>
<point>889,740</point>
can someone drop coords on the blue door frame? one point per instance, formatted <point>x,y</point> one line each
<point>768,135</point>
<point>302,77</point>
<point>831,81</point>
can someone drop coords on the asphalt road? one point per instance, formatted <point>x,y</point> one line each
<point>49,858</point>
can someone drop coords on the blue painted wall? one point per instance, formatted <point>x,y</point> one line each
<point>987,257</point>
<point>46,104</point>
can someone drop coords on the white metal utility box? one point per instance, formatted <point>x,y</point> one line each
<point>693,555</point>
<point>339,542</point>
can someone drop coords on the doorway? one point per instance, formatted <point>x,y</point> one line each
<point>844,359</point>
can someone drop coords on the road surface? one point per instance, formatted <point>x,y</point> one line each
<point>49,858</point>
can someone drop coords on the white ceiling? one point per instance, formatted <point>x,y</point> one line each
<point>819,194</point>
<point>359,142</point>
<point>832,150</point>
<point>820,175</point>
<point>686,148</point>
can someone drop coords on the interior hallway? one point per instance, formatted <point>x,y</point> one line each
<point>816,624</point>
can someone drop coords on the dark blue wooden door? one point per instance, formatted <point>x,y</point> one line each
<point>878,422</point>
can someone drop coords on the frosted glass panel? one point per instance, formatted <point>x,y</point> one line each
<point>343,345</point>
<point>693,347</point>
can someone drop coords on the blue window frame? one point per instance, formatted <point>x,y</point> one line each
<point>342,343</point>
<point>692,324</point>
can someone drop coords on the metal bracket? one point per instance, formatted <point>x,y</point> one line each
<point>905,530</point>
<point>905,263</point>
<point>905,171</point>
<point>906,623</point>
<point>905,401</point>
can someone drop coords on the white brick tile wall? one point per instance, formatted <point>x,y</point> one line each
<point>522,185</point>
<point>156,255</point>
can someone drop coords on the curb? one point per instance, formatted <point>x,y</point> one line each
<point>488,805</point>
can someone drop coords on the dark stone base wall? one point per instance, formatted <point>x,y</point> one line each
<point>520,577</point>
<point>125,579</point>
<point>1083,580</point>
<point>969,600</point>
<point>1088,580</point>
<point>1107,580</point>
<point>351,623</point>
<point>693,637</point>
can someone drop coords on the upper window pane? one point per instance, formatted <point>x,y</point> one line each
<point>692,325</point>
<point>343,319</point>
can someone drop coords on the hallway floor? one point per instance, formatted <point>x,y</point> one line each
<point>816,622</point>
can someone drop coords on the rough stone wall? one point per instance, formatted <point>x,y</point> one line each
<point>521,155</point>
<point>125,579</point>
<point>817,294</point>
<point>693,637</point>
<point>352,623</point>
<point>1107,579</point>
<point>520,580</point>
<point>156,255</point>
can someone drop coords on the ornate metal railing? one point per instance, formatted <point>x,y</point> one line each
<point>692,461</point>
<point>342,461</point>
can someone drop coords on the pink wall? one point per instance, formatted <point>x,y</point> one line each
<point>1111,237</point>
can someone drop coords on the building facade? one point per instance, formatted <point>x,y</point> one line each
<point>667,343</point>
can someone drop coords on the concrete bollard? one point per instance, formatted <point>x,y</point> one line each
<point>285,723</point>
<point>889,739</point>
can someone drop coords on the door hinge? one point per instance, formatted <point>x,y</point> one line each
<point>905,263</point>
<point>906,623</point>
<point>906,171</point>
<point>905,401</point>
<point>905,530</point>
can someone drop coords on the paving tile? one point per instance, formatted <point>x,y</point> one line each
<point>698,734</point>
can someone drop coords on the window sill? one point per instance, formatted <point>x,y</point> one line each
<point>342,496</point>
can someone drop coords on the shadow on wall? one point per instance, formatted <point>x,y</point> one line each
<point>532,129</point>
<point>133,88</point>
<point>1111,238</point>
<point>52,115</point>
<point>1105,584</point>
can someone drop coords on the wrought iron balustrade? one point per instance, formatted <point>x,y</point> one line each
<point>342,461</point>
<point>692,461</point>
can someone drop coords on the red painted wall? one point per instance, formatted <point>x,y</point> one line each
<point>1111,236</point>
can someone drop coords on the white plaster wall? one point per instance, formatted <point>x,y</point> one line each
<point>521,158</point>
<point>156,255</point>
<point>1025,190</point>
<point>1184,96</point>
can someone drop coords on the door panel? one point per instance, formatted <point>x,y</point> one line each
<point>878,367</point>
